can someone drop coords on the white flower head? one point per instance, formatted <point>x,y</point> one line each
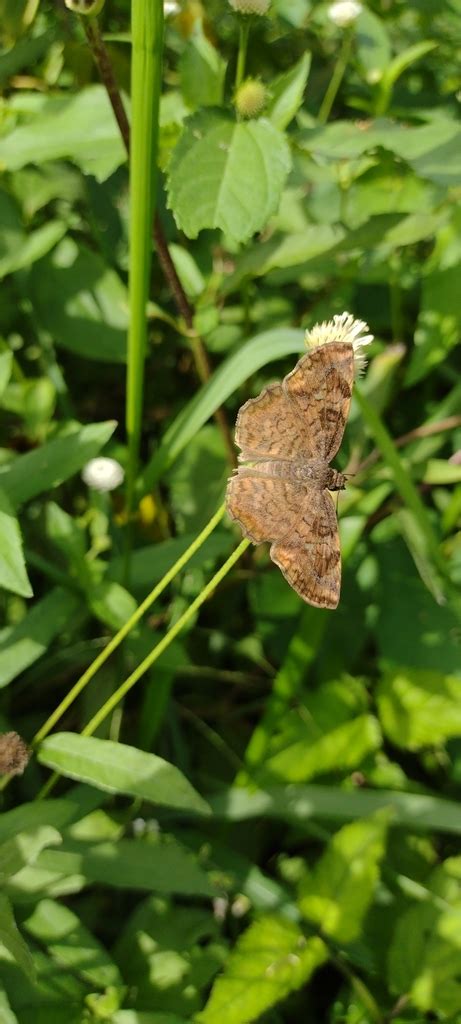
<point>170,7</point>
<point>345,328</point>
<point>250,6</point>
<point>103,474</point>
<point>344,12</point>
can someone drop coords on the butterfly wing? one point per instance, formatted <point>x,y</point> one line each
<point>266,507</point>
<point>309,556</point>
<point>320,387</point>
<point>269,426</point>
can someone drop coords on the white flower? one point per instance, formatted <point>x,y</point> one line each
<point>344,12</point>
<point>250,6</point>
<point>103,474</point>
<point>344,328</point>
<point>170,7</point>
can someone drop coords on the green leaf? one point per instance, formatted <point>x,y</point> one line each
<point>24,849</point>
<point>299,804</point>
<point>270,960</point>
<point>48,466</point>
<point>131,864</point>
<point>227,175</point>
<point>33,247</point>
<point>338,892</point>
<point>12,941</point>
<point>419,708</point>
<point>372,43</point>
<point>148,564</point>
<point>251,356</point>
<point>6,366</point>
<point>70,943</point>
<point>80,127</point>
<point>439,323</point>
<point>202,71</point>
<point>287,91</point>
<point>6,1014</point>
<point>424,957</point>
<point>341,749</point>
<point>13,573</point>
<point>81,301</point>
<point>21,645</point>
<point>118,768</point>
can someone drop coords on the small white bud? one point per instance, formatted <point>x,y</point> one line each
<point>103,474</point>
<point>250,6</point>
<point>170,8</point>
<point>344,12</point>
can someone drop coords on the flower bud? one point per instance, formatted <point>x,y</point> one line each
<point>344,12</point>
<point>103,474</point>
<point>89,7</point>
<point>250,6</point>
<point>250,98</point>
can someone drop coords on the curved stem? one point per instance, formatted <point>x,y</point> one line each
<point>336,78</point>
<point>243,47</point>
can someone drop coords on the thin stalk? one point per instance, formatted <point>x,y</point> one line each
<point>243,48</point>
<point>103,63</point>
<point>127,627</point>
<point>165,642</point>
<point>336,78</point>
<point>146,65</point>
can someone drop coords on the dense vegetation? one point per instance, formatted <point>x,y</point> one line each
<point>252,811</point>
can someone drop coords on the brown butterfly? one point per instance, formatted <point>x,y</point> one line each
<point>289,434</point>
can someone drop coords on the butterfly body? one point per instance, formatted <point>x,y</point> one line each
<point>288,436</point>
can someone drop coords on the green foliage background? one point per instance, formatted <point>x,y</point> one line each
<point>268,827</point>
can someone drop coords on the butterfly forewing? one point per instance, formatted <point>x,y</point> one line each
<point>321,387</point>
<point>269,427</point>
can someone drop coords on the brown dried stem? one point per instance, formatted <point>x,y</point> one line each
<point>426,430</point>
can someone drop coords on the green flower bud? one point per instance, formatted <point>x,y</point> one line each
<point>250,98</point>
<point>250,6</point>
<point>88,7</point>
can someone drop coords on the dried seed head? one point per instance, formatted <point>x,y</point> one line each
<point>250,98</point>
<point>14,754</point>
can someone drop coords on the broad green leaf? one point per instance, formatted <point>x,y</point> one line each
<point>118,768</point>
<point>253,354</point>
<point>148,564</point>
<point>21,645</point>
<point>81,301</point>
<point>57,460</point>
<point>33,247</point>
<point>287,91</point>
<point>6,1014</point>
<point>111,603</point>
<point>338,892</point>
<point>226,174</point>
<point>341,749</point>
<point>419,708</point>
<point>202,71</point>
<point>372,43</point>
<point>298,804</point>
<point>80,127</point>
<point>16,853</point>
<point>441,471</point>
<point>29,816</point>
<point>424,957</point>
<point>13,573</point>
<point>12,941</point>
<point>270,960</point>
<point>131,864</point>
<point>70,943</point>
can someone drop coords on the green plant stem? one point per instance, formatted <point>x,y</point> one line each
<point>103,63</point>
<point>336,78</point>
<point>147,35</point>
<point>165,642</point>
<point>243,48</point>
<point>127,627</point>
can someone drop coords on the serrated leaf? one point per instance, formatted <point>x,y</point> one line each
<point>419,708</point>
<point>12,941</point>
<point>48,466</point>
<point>118,768</point>
<point>340,889</point>
<point>226,174</point>
<point>271,959</point>
<point>13,573</point>
<point>287,92</point>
